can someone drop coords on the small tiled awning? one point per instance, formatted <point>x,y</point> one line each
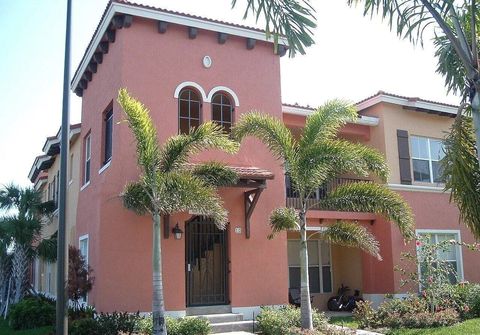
<point>252,172</point>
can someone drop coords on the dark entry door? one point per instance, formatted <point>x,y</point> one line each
<point>206,263</point>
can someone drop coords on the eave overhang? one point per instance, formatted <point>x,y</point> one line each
<point>409,103</point>
<point>119,14</point>
<point>306,111</point>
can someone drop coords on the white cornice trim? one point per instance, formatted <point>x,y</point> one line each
<point>224,89</point>
<point>417,188</point>
<point>362,119</point>
<point>117,8</point>
<point>199,88</point>
<point>406,103</point>
<point>36,164</point>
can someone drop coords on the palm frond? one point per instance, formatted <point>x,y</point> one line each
<point>372,198</point>
<point>462,172</point>
<point>216,174</point>
<point>271,131</point>
<point>322,162</point>
<point>208,135</point>
<point>326,121</point>
<point>352,234</point>
<point>136,198</point>
<point>47,249</point>
<point>293,19</point>
<point>182,191</point>
<point>283,219</point>
<point>140,122</point>
<point>10,196</point>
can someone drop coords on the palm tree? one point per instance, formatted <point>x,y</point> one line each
<point>21,230</point>
<point>168,184</point>
<point>316,158</point>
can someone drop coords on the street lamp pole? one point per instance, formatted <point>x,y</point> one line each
<point>62,247</point>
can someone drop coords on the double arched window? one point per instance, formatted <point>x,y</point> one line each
<point>189,110</point>
<point>222,111</point>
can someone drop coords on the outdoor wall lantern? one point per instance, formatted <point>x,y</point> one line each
<point>177,232</point>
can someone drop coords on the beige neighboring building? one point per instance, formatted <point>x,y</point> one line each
<point>45,175</point>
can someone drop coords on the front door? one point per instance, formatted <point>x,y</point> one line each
<point>206,263</point>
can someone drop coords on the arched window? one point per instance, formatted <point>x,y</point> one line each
<point>222,111</point>
<point>189,107</point>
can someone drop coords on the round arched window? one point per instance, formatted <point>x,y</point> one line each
<point>222,111</point>
<point>189,107</point>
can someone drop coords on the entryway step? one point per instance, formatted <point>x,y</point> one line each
<point>236,326</point>
<point>222,318</point>
<point>205,310</point>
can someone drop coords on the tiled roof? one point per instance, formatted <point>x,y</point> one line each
<point>246,172</point>
<point>187,15</point>
<point>379,93</point>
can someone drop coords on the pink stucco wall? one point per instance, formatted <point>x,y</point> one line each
<point>151,65</point>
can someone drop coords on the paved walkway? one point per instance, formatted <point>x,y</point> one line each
<point>235,333</point>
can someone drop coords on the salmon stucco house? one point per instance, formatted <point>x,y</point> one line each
<point>187,70</point>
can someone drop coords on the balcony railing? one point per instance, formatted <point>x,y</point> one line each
<point>294,201</point>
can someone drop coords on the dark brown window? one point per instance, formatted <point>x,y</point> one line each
<point>222,111</point>
<point>189,106</point>
<point>108,136</point>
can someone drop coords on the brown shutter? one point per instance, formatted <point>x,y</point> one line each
<point>404,157</point>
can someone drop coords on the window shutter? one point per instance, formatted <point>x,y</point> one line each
<point>404,157</point>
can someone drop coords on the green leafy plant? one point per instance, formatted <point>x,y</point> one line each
<point>31,312</point>
<point>177,326</point>
<point>281,321</point>
<point>84,327</point>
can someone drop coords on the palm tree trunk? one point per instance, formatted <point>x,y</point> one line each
<point>158,307</point>
<point>475,102</point>
<point>20,269</point>
<point>305,305</point>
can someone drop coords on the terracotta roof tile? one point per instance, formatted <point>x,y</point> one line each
<point>250,172</point>
<point>405,97</point>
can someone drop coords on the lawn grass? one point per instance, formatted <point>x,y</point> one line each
<point>6,330</point>
<point>469,327</point>
<point>346,321</point>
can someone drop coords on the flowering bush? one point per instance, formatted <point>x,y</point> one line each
<point>411,312</point>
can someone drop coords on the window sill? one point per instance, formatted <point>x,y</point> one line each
<point>84,186</point>
<point>70,182</point>
<point>104,167</point>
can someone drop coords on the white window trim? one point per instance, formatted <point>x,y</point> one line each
<point>88,158</point>
<point>223,89</point>
<point>83,238</point>
<point>320,265</point>
<point>104,167</point>
<point>80,239</point>
<point>429,160</point>
<point>181,86</point>
<point>458,250</point>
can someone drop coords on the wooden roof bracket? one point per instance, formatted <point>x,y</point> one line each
<point>251,198</point>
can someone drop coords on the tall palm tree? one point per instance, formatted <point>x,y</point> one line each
<point>316,158</point>
<point>168,184</point>
<point>21,228</point>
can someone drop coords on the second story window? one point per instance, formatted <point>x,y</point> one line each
<point>427,154</point>
<point>189,111</point>
<point>222,111</point>
<point>108,136</point>
<point>86,177</point>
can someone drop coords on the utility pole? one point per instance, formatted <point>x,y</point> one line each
<point>62,245</point>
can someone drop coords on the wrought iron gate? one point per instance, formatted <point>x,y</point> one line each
<point>206,263</point>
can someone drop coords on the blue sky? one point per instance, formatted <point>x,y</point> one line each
<point>353,58</point>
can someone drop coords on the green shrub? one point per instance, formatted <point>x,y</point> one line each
<point>81,312</point>
<point>365,315</point>
<point>84,327</point>
<point>281,321</point>
<point>473,301</point>
<point>412,312</point>
<point>114,323</point>
<point>176,326</point>
<point>32,312</point>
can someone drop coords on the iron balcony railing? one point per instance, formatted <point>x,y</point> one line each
<point>294,201</point>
